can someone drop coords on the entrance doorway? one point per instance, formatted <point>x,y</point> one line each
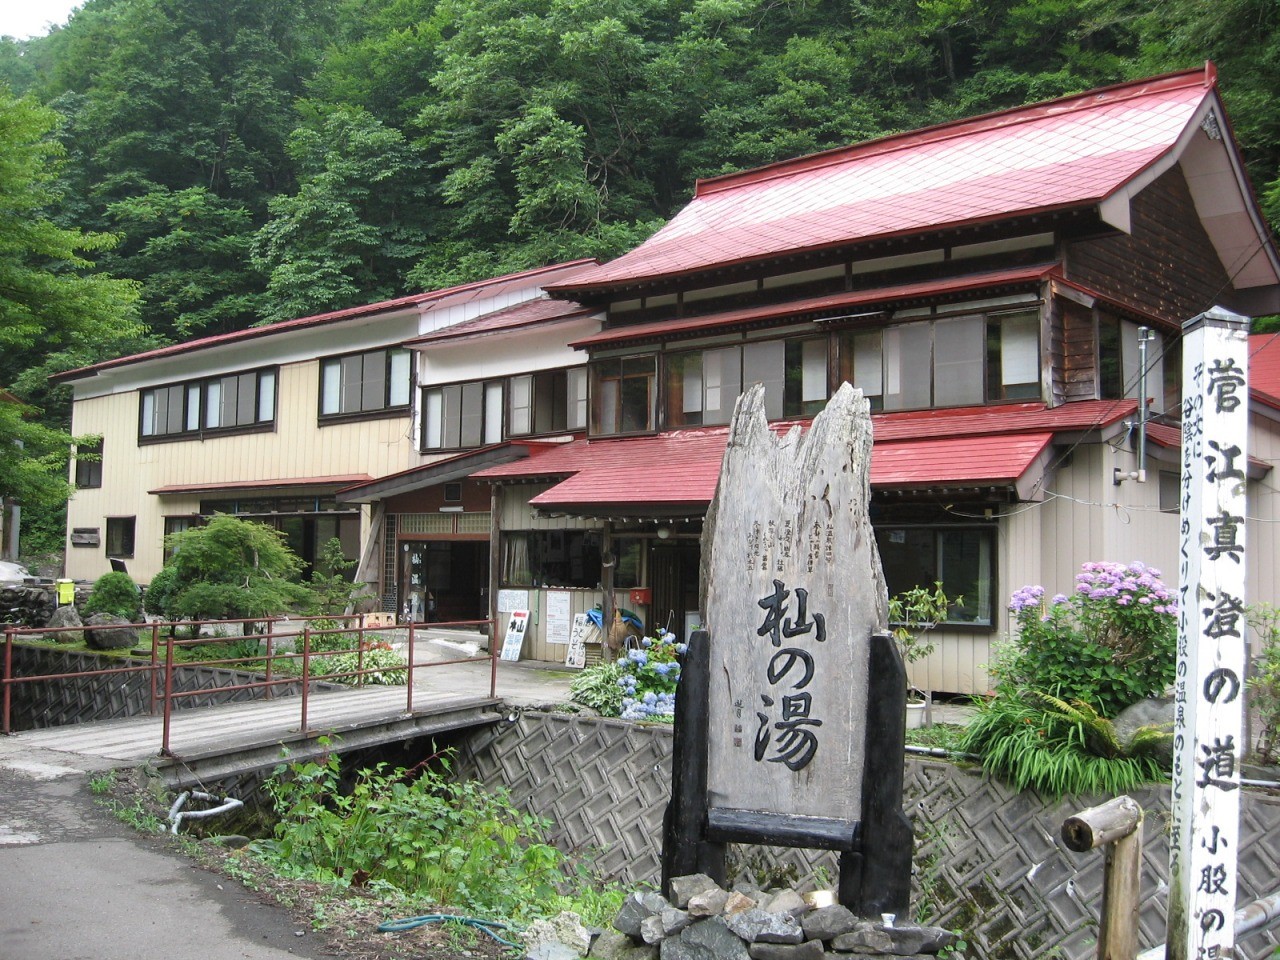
<point>443,580</point>
<point>673,575</point>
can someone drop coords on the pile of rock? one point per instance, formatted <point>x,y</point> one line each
<point>30,605</point>
<point>703,921</point>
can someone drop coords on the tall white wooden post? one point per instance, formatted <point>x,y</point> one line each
<point>1209,691</point>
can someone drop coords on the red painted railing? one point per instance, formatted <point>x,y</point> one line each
<point>164,659</point>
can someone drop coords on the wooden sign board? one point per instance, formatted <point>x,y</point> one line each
<point>583,632</point>
<point>517,625</point>
<point>791,711</point>
<point>794,592</point>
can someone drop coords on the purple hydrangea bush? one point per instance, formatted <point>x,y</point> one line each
<point>1110,643</point>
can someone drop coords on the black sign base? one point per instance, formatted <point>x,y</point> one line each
<point>875,850</point>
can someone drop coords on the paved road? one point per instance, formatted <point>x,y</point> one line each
<point>75,884</point>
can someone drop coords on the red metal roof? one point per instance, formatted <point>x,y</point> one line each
<point>463,293</point>
<point>972,446</point>
<point>517,317</point>
<point>816,306</point>
<point>1264,368</point>
<point>1067,153</point>
<point>336,481</point>
<point>690,480</point>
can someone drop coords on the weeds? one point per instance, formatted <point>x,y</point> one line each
<point>414,832</point>
<point>103,783</point>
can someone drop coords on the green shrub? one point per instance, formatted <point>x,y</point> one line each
<point>914,613</point>
<point>330,581</point>
<point>1264,684</point>
<point>388,666</point>
<point>1110,644</point>
<point>232,569</point>
<point>1034,741</point>
<point>156,600</point>
<point>454,844</point>
<point>597,688</point>
<point>117,594</point>
<point>326,637</point>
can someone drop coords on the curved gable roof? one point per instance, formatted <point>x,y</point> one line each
<point>1069,153</point>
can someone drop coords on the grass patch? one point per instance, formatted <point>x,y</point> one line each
<point>940,736</point>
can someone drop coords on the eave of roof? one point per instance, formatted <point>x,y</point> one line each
<point>1170,437</point>
<point>334,482</point>
<point>972,447</point>
<point>518,317</point>
<point>1071,153</point>
<point>462,293</point>
<point>1264,369</point>
<point>817,307</point>
<point>446,470</point>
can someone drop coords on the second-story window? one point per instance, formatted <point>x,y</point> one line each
<point>702,385</point>
<point>624,396</point>
<point>89,464</point>
<point>552,401</point>
<point>461,415</point>
<point>364,382</point>
<point>951,362</point>
<point>235,401</point>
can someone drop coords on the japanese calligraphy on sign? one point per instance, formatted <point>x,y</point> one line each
<point>1211,638</point>
<point>793,593</point>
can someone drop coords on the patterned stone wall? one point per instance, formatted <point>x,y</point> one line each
<point>988,860</point>
<point>55,703</point>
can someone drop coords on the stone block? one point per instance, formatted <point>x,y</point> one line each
<point>636,907</point>
<point>691,885</point>
<point>708,904</point>
<point>612,945</point>
<point>757,926</point>
<point>905,941</point>
<point>826,923</point>
<point>809,950</point>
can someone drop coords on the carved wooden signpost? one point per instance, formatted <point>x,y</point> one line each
<point>790,715</point>
<point>1208,691</point>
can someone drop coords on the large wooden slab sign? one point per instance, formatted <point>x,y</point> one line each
<point>792,593</point>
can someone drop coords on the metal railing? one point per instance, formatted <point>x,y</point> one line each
<point>274,665</point>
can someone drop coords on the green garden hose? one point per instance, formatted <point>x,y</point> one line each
<point>410,923</point>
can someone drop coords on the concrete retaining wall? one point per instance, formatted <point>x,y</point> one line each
<point>988,861</point>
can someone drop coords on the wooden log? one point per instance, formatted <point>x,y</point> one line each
<point>1110,821</point>
<point>1118,825</point>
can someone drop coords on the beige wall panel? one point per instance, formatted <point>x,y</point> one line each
<point>958,663</point>
<point>297,448</point>
<point>1262,531</point>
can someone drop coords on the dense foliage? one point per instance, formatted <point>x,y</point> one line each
<point>1264,684</point>
<point>117,594</point>
<point>1111,643</point>
<point>230,568</point>
<point>206,167</point>
<point>1075,663</point>
<point>417,833</point>
<point>1034,741</point>
<point>639,686</point>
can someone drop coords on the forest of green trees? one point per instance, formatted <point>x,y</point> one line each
<point>176,168</point>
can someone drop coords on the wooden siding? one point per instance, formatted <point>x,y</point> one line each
<point>298,447</point>
<point>1073,352</point>
<point>1166,266</point>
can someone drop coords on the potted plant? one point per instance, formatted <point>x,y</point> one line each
<point>912,614</point>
